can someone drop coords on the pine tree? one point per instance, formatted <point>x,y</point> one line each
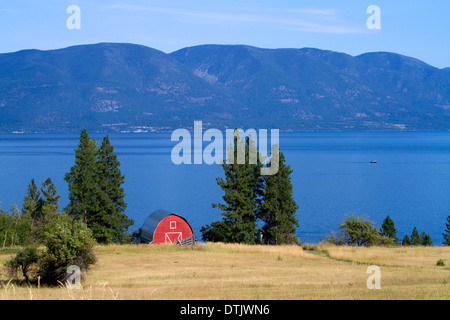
<point>406,241</point>
<point>84,192</point>
<point>48,205</point>
<point>242,187</point>
<point>111,220</point>
<point>425,239</point>
<point>48,190</point>
<point>95,190</point>
<point>388,229</point>
<point>31,200</point>
<point>446,233</point>
<point>31,212</point>
<point>278,209</point>
<point>415,238</point>
<point>40,207</point>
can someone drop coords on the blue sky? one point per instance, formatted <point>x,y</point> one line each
<point>419,29</point>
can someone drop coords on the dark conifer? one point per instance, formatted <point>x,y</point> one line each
<point>446,233</point>
<point>278,209</point>
<point>406,241</point>
<point>84,192</point>
<point>388,229</point>
<point>415,237</point>
<point>241,185</point>
<point>111,221</point>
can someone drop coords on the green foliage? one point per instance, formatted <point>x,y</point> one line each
<point>388,231</point>
<point>250,197</point>
<point>68,242</point>
<point>31,200</point>
<point>415,237</point>
<point>15,228</point>
<point>278,209</point>
<point>359,231</point>
<point>6,229</point>
<point>110,224</point>
<point>440,263</point>
<point>242,187</point>
<point>386,241</point>
<point>406,241</point>
<point>45,209</point>
<point>23,262</point>
<point>425,239</point>
<point>446,233</point>
<point>335,239</point>
<point>95,190</point>
<point>83,180</point>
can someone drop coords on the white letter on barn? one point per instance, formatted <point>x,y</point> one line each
<point>184,146</point>
<point>73,21</point>
<point>374,21</point>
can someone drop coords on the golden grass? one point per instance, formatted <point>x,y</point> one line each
<point>233,271</point>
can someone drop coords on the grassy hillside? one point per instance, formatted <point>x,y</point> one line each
<point>219,271</point>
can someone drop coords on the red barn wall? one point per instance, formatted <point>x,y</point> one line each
<point>170,229</point>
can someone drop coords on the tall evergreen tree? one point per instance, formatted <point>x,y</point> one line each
<point>95,190</point>
<point>415,237</point>
<point>242,187</point>
<point>388,229</point>
<point>446,233</point>
<point>84,192</point>
<point>111,220</point>
<point>278,208</point>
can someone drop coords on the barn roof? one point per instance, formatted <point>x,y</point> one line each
<point>152,221</point>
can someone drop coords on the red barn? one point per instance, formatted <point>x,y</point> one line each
<point>166,227</point>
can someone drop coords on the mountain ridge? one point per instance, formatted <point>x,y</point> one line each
<point>123,87</point>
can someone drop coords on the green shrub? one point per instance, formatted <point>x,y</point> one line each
<point>359,231</point>
<point>68,242</point>
<point>389,242</point>
<point>24,262</point>
<point>440,263</point>
<point>335,239</point>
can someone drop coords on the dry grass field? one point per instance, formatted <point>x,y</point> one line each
<point>219,271</point>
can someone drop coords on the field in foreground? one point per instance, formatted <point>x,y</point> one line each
<point>219,271</point>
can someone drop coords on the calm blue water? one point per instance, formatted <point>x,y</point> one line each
<point>332,177</point>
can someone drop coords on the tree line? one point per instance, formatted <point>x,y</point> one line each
<point>95,214</point>
<point>255,208</point>
<point>359,231</point>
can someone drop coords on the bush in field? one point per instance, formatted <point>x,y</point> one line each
<point>440,263</point>
<point>359,231</point>
<point>68,242</point>
<point>24,262</point>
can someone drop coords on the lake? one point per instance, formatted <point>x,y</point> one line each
<point>333,176</point>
